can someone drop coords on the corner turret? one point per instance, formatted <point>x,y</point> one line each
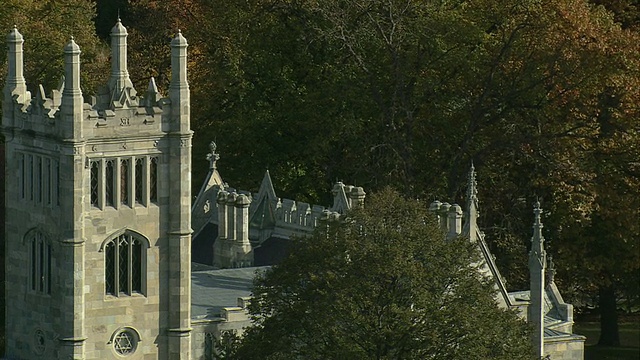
<point>119,80</point>
<point>15,84</point>
<point>179,87</point>
<point>71,108</point>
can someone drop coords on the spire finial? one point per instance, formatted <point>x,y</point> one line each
<point>537,241</point>
<point>472,190</point>
<point>212,156</point>
<point>537,210</point>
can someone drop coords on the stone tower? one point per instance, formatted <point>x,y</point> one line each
<point>98,201</point>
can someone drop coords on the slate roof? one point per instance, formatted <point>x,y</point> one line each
<point>272,251</point>
<point>214,289</point>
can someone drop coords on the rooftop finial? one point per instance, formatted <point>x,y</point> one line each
<point>471,216</point>
<point>472,191</point>
<point>537,211</point>
<point>212,156</point>
<point>537,241</point>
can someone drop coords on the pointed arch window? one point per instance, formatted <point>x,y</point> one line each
<point>124,264</point>
<point>39,262</point>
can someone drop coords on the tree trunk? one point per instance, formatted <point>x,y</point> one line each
<point>609,334</point>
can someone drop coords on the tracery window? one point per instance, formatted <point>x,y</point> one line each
<point>40,263</point>
<point>120,181</point>
<point>124,265</point>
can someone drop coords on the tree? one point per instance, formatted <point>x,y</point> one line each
<point>382,283</point>
<point>47,27</point>
<point>407,93</point>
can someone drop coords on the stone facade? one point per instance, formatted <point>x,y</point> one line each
<point>98,217</point>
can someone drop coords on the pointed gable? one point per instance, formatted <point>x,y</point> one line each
<point>263,214</point>
<point>341,202</point>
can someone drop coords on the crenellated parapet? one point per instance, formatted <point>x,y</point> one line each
<point>117,110</point>
<point>244,221</point>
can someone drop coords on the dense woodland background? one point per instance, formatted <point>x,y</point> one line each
<point>542,96</point>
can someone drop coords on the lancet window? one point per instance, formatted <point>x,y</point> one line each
<point>40,263</point>
<point>38,179</point>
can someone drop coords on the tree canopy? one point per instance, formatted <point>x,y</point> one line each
<point>382,283</point>
<point>47,26</point>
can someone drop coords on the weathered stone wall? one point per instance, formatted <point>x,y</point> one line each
<point>565,349</point>
<point>57,153</point>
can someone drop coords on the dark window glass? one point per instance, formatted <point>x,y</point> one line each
<point>95,183</point>
<point>34,263</point>
<point>138,180</point>
<point>48,269</point>
<point>40,271</point>
<point>124,181</point>
<point>153,180</point>
<point>136,266</point>
<point>123,265</point>
<point>110,268</point>
<point>108,182</point>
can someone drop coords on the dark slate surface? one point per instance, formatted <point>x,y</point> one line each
<point>212,290</point>
<point>271,252</point>
<point>202,244</point>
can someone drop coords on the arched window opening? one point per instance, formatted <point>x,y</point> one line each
<point>40,263</point>
<point>123,265</point>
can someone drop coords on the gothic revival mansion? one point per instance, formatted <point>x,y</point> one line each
<point>99,221</point>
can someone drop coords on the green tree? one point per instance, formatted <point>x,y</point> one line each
<point>406,93</point>
<point>382,283</point>
<point>47,26</point>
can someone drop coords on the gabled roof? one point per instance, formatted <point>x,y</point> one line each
<point>341,203</point>
<point>263,214</point>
